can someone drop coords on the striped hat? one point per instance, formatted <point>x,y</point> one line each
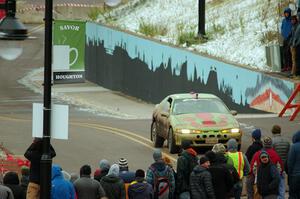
<point>123,163</point>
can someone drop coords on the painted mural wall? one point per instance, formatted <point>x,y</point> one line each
<point>150,70</point>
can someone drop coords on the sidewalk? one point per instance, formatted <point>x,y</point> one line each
<point>92,98</point>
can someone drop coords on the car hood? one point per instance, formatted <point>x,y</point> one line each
<point>204,121</point>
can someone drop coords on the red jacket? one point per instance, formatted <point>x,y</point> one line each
<point>274,157</point>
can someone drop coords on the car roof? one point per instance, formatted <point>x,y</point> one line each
<point>193,96</point>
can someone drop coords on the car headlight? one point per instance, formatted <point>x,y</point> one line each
<point>184,131</point>
<point>235,130</point>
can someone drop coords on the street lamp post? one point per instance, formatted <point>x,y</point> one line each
<point>46,160</point>
<point>201,18</point>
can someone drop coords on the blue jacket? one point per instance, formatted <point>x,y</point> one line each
<point>140,189</point>
<point>294,156</point>
<point>61,188</point>
<point>286,26</point>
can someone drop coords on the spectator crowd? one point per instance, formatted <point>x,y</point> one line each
<point>220,173</point>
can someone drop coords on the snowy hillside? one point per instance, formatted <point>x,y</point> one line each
<point>238,30</point>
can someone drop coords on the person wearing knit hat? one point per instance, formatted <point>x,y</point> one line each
<point>104,168</point>
<point>256,134</point>
<point>219,148</point>
<point>267,142</point>
<point>157,155</point>
<point>240,163</point>
<point>201,180</point>
<point>281,146</point>
<point>112,184</point>
<point>139,188</point>
<point>126,175</point>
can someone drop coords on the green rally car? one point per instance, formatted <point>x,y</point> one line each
<point>202,118</point>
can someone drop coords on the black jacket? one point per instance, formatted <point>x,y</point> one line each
<point>34,154</point>
<point>113,186</point>
<point>201,184</point>
<point>268,179</point>
<point>221,179</point>
<point>253,148</point>
<point>11,180</point>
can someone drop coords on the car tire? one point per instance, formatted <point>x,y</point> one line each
<point>173,148</point>
<point>157,140</point>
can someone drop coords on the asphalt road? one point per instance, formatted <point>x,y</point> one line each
<point>91,137</point>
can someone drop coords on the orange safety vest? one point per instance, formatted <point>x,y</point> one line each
<point>238,162</point>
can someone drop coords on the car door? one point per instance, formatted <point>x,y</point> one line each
<point>165,117</point>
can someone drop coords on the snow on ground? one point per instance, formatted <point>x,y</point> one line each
<point>236,28</point>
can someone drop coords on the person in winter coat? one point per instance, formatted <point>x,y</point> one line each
<point>5,192</point>
<point>61,188</point>
<point>295,43</point>
<point>267,177</point>
<point>294,21</point>
<point>160,169</point>
<point>201,181</point>
<point>104,168</point>
<point>185,165</point>
<point>112,184</point>
<point>274,157</point>
<point>86,187</point>
<point>139,188</point>
<point>286,28</point>
<point>222,159</point>
<point>294,167</point>
<point>240,163</point>
<point>34,154</point>
<point>126,175</point>
<point>256,145</point>
<point>24,178</point>
<point>221,177</point>
<point>11,180</point>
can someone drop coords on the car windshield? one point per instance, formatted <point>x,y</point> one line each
<point>185,106</point>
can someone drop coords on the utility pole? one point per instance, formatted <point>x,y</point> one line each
<point>46,160</point>
<point>201,18</point>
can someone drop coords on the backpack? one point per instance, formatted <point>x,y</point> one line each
<point>161,185</point>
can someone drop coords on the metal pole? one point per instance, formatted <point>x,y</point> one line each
<point>201,18</point>
<point>46,160</point>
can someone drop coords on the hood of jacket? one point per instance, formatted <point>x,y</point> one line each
<point>296,137</point>
<point>289,11</point>
<point>139,186</point>
<point>159,165</point>
<point>11,178</point>
<point>199,169</point>
<point>56,172</point>
<point>220,158</point>
<point>111,179</point>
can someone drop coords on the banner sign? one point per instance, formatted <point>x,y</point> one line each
<point>68,48</point>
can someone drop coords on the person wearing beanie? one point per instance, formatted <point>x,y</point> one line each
<point>112,184</point>
<point>60,187</point>
<point>256,144</point>
<point>139,188</point>
<point>86,187</point>
<point>222,179</point>
<point>185,165</point>
<point>24,177</point>
<point>274,157</point>
<point>219,148</point>
<point>126,175</point>
<point>251,150</point>
<point>267,177</point>
<point>11,180</point>
<point>294,167</point>
<point>240,163</point>
<point>201,180</point>
<point>104,168</point>
<point>160,169</point>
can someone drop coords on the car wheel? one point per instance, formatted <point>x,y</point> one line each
<point>156,139</point>
<point>173,148</point>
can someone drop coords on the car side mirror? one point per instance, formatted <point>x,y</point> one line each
<point>233,112</point>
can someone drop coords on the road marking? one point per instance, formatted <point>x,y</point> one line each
<point>124,133</point>
<point>36,28</point>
